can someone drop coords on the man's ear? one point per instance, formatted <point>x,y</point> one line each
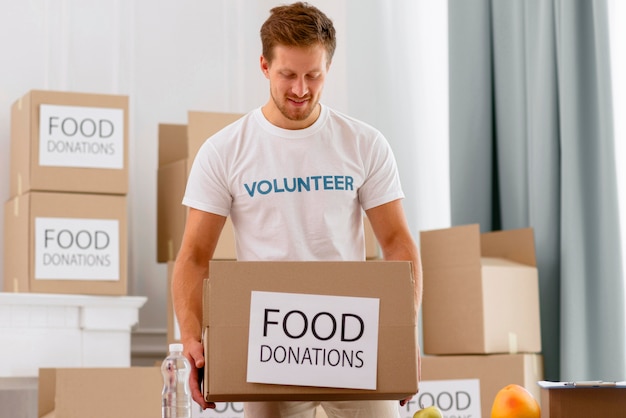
<point>265,66</point>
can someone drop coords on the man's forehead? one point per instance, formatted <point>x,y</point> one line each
<point>311,58</point>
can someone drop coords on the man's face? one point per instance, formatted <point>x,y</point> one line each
<point>296,78</point>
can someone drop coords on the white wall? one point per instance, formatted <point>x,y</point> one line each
<point>173,56</point>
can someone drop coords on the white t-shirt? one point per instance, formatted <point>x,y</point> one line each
<point>295,195</point>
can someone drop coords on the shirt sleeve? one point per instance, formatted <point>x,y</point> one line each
<point>382,181</point>
<point>207,189</point>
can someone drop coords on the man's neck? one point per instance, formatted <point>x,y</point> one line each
<point>276,118</point>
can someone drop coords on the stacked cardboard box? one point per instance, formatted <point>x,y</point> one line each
<point>178,146</point>
<point>66,220</point>
<point>481,309</point>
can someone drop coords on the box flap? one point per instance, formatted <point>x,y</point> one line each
<point>172,143</point>
<point>202,125</point>
<point>503,262</point>
<point>464,245</point>
<point>450,247</point>
<point>514,244</point>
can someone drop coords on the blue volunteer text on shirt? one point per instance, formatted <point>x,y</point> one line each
<point>300,184</point>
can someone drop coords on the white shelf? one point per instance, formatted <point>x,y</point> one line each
<point>53,330</point>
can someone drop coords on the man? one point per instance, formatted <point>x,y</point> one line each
<point>267,170</point>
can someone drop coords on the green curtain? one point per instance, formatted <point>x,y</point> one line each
<point>532,145</point>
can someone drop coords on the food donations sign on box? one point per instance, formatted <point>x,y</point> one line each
<point>66,243</point>
<point>313,340</point>
<point>309,331</point>
<point>69,142</point>
<point>458,398</point>
<point>492,371</point>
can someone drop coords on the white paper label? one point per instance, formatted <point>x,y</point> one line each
<point>313,340</point>
<point>455,398</point>
<point>77,249</point>
<point>87,137</point>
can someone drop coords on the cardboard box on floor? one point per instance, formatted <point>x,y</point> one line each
<point>133,392</point>
<point>227,316</point>
<point>178,145</point>
<point>69,142</point>
<point>66,243</point>
<point>494,371</point>
<point>481,291</point>
<point>583,402</point>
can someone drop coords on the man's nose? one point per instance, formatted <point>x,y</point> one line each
<point>300,87</point>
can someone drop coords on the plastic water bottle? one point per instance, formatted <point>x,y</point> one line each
<point>176,395</point>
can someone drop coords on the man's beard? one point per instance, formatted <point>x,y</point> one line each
<point>297,115</point>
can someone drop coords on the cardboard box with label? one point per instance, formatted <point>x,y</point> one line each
<point>131,392</point>
<point>583,399</point>
<point>69,142</point>
<point>481,291</point>
<point>309,331</point>
<point>493,371</point>
<point>66,243</point>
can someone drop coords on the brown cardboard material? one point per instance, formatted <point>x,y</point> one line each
<point>481,291</point>
<point>372,251</point>
<point>583,402</point>
<point>173,334</point>
<point>202,125</point>
<point>226,319</point>
<point>133,392</point>
<point>494,371</point>
<point>178,145</point>
<point>26,172</point>
<point>20,217</point>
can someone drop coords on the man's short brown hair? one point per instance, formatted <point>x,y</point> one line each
<point>299,24</point>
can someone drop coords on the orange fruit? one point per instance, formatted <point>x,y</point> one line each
<point>514,401</point>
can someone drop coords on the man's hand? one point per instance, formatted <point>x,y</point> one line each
<point>195,354</point>
<point>404,401</point>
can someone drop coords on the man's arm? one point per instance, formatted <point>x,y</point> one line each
<point>394,237</point>
<point>202,232</point>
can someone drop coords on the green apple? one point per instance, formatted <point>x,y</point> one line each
<point>430,412</point>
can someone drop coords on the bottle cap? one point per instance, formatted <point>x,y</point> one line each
<point>176,347</point>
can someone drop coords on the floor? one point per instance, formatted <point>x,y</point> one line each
<point>18,397</point>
